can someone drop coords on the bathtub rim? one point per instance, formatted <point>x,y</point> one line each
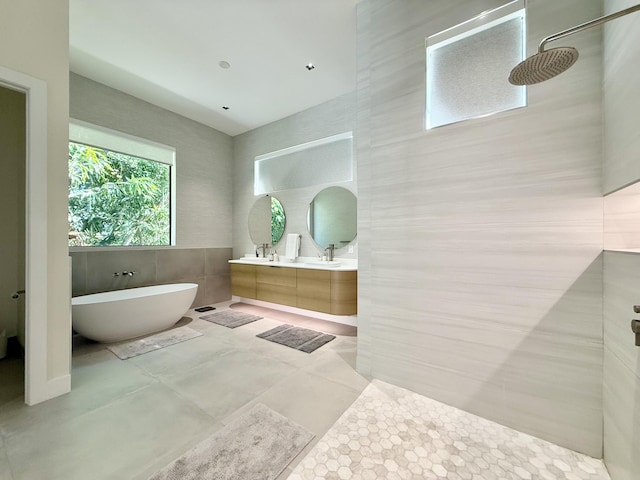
<point>130,293</point>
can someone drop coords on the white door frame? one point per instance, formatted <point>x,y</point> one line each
<point>38,387</point>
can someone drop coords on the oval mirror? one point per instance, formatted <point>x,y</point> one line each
<point>266,221</point>
<point>332,217</point>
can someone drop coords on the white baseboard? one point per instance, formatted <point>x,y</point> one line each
<point>51,389</point>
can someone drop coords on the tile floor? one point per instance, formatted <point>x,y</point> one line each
<point>127,419</point>
<point>392,433</point>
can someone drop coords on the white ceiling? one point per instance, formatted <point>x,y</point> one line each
<point>167,52</point>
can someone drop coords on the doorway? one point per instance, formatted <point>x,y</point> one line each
<point>37,384</point>
<point>13,141</point>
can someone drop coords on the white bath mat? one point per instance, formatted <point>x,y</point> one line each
<point>153,342</point>
<point>256,446</point>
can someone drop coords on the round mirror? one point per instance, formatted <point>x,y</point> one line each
<point>266,221</point>
<point>332,217</point>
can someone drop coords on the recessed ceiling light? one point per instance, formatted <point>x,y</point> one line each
<point>224,107</point>
<point>310,66</point>
<point>224,64</point>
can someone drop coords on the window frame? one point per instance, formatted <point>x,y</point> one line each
<point>116,141</point>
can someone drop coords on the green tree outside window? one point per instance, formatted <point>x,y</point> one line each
<point>117,199</point>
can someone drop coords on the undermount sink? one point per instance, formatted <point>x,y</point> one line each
<point>326,264</point>
<point>255,259</point>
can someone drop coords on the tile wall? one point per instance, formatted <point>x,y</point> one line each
<point>208,267</point>
<point>621,102</point>
<point>621,366</point>
<point>480,263</point>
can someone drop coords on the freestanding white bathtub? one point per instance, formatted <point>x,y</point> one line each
<point>124,314</point>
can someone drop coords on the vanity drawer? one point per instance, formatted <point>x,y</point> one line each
<point>283,276</point>
<point>314,290</point>
<point>276,285</point>
<point>283,295</point>
<point>243,280</point>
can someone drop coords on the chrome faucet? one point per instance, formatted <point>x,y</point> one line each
<point>330,249</point>
<point>264,247</point>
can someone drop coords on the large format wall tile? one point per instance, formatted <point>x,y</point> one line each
<point>622,219</point>
<point>102,268</point>
<point>621,167</point>
<point>93,271</point>
<point>621,101</point>
<point>217,288</point>
<point>621,393</point>
<point>481,280</point>
<point>621,418</point>
<point>180,263</point>
<point>621,293</point>
<point>217,261</point>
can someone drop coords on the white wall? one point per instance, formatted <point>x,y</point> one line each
<point>35,41</point>
<point>330,118</point>
<point>480,270</point>
<point>621,280</point>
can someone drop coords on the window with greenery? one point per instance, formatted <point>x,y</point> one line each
<point>117,199</point>
<point>278,220</point>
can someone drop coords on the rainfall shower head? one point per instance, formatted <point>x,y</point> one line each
<point>547,64</point>
<point>543,66</point>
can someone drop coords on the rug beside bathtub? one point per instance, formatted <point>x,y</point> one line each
<point>256,446</point>
<point>230,318</point>
<point>153,342</point>
<point>299,338</point>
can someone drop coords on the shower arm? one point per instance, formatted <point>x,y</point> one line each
<point>586,25</point>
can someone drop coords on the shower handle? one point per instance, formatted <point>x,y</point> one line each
<point>635,328</point>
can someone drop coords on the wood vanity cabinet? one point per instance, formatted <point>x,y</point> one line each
<point>334,292</point>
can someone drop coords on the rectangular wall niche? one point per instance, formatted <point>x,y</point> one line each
<point>468,66</point>
<point>324,161</point>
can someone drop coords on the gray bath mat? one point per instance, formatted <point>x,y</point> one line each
<point>257,446</point>
<point>230,318</point>
<point>153,342</point>
<point>299,338</point>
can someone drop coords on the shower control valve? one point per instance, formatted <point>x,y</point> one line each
<point>635,328</point>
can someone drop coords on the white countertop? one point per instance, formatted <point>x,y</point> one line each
<point>345,264</point>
